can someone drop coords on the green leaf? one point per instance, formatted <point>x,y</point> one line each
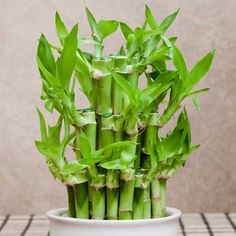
<point>126,161</point>
<point>106,28</point>
<point>152,93</point>
<point>122,51</point>
<point>151,45</point>
<point>198,71</point>
<point>66,62</point>
<point>49,106</point>
<point>126,30</point>
<point>195,103</point>
<point>54,153</point>
<point>43,127</point>
<point>112,146</point>
<point>91,20</point>
<point>83,75</point>
<point>45,54</point>
<point>125,85</point>
<point>54,133</point>
<point>166,149</point>
<point>198,91</point>
<point>113,165</point>
<point>150,19</point>
<point>158,55</point>
<point>166,23</point>
<point>62,31</point>
<point>127,158</point>
<point>50,78</point>
<point>73,167</point>
<point>179,62</point>
<point>187,154</point>
<point>85,146</point>
<point>83,41</point>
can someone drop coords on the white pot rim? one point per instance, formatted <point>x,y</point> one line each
<point>56,215</point>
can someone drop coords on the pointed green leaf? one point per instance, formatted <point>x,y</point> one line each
<point>73,167</point>
<point>54,133</point>
<point>186,155</point>
<point>50,78</point>
<point>113,165</point>
<point>170,146</point>
<point>160,54</point>
<point>199,71</point>
<point>126,30</point>
<point>83,75</point>
<point>166,23</point>
<point>62,31</point>
<point>112,146</point>
<point>43,127</point>
<point>49,106</point>
<point>45,54</point>
<point>198,91</point>
<point>151,45</point>
<point>91,20</point>
<point>179,62</point>
<point>106,28</point>
<point>150,19</point>
<point>195,103</point>
<point>122,51</point>
<point>66,62</point>
<point>51,152</point>
<point>127,158</point>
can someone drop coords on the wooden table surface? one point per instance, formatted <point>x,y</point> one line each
<point>204,224</point>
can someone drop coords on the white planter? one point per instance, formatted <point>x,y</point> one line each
<point>65,226</point>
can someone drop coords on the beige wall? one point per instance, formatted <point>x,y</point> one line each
<point>207,183</point>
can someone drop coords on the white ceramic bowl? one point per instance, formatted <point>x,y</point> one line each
<point>65,226</point>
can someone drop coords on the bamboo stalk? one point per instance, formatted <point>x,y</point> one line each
<point>126,194</point>
<point>158,198</point>
<point>147,204</point>
<point>98,199</point>
<point>71,201</point>
<point>90,129</point>
<point>138,197</point>
<point>112,193</point>
<point>120,66</point>
<point>81,200</point>
<point>102,85</point>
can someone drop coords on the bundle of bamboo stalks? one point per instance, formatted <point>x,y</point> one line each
<point>122,163</point>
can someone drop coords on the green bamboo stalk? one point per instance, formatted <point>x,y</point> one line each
<point>151,134</point>
<point>71,202</point>
<point>147,214</point>
<point>112,194</point>
<point>90,129</point>
<point>137,163</point>
<point>98,199</point>
<point>81,200</point>
<point>126,194</point>
<point>102,85</point>
<point>138,197</point>
<point>120,66</point>
<point>105,130</point>
<point>112,181</point>
<point>77,146</point>
<point>158,198</point>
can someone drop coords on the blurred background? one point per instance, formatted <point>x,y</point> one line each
<point>208,181</point>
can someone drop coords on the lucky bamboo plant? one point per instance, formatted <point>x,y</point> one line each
<point>121,163</point>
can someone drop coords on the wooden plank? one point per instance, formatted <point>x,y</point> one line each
<point>206,224</point>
